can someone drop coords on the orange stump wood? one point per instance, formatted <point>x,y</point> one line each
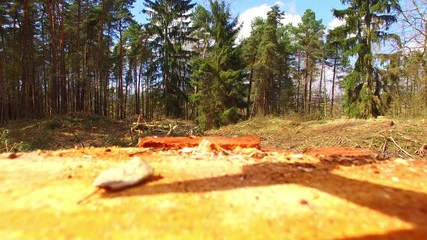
<point>181,142</point>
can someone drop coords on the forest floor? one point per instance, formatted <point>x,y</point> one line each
<point>339,179</point>
<point>388,138</point>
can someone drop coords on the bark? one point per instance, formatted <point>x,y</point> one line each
<point>120,96</point>
<point>424,63</point>
<point>27,62</point>
<point>325,99</point>
<point>137,87</point>
<point>100,63</point>
<point>3,105</point>
<point>306,83</point>
<point>264,98</point>
<point>334,72</point>
<point>369,111</point>
<point>310,92</point>
<point>250,87</point>
<point>79,90</point>
<point>62,73</point>
<point>299,81</point>
<point>322,70</point>
<point>53,57</point>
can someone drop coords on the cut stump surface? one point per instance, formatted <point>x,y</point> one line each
<point>236,192</point>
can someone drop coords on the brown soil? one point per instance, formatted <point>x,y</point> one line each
<point>324,193</point>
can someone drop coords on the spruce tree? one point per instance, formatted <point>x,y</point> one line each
<point>169,23</point>
<point>217,75</point>
<point>367,23</point>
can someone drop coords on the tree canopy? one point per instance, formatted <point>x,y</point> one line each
<point>91,56</point>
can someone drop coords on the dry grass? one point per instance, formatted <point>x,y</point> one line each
<point>81,130</point>
<point>387,137</point>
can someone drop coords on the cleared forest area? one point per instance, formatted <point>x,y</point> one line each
<point>386,137</point>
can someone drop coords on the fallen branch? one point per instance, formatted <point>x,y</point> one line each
<point>401,149</point>
<point>171,129</point>
<point>88,196</point>
<point>384,147</point>
<point>422,151</point>
<point>78,139</point>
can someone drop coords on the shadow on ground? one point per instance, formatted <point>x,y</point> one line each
<point>406,205</point>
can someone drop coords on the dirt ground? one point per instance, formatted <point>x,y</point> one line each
<point>324,193</point>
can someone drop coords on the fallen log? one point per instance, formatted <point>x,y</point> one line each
<point>227,143</point>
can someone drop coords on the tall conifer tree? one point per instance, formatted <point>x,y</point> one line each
<point>367,23</point>
<point>169,22</point>
<point>218,78</point>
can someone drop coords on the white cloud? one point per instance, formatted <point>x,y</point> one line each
<point>291,8</point>
<point>291,15</point>
<point>247,16</point>
<point>335,23</point>
<point>279,3</point>
<point>293,19</point>
<point>261,11</point>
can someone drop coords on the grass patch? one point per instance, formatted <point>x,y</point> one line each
<point>117,142</point>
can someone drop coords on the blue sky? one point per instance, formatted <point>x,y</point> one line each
<point>249,9</point>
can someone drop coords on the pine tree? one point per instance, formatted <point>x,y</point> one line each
<point>250,55</point>
<point>267,64</point>
<point>335,47</point>
<point>286,59</point>
<point>309,34</point>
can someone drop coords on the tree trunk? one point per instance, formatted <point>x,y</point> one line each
<point>369,107</point>
<point>54,60</point>
<point>27,63</point>
<point>100,68</point>
<point>297,100</point>
<point>120,85</point>
<point>424,61</point>
<point>334,72</point>
<point>306,80</point>
<point>264,98</point>
<point>325,99</point>
<point>79,80</point>
<point>137,86</point>
<point>322,70</point>
<point>64,96</point>
<point>310,92</point>
<point>250,88</point>
<point>3,105</point>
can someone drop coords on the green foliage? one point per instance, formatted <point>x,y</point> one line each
<point>9,144</point>
<point>267,53</point>
<point>230,116</point>
<point>117,142</point>
<point>185,62</point>
<point>367,22</point>
<point>39,141</point>
<point>218,78</point>
<point>169,23</point>
<point>4,139</point>
<point>309,37</point>
<point>52,124</point>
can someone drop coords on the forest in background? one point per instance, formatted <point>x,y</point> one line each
<point>91,56</point>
